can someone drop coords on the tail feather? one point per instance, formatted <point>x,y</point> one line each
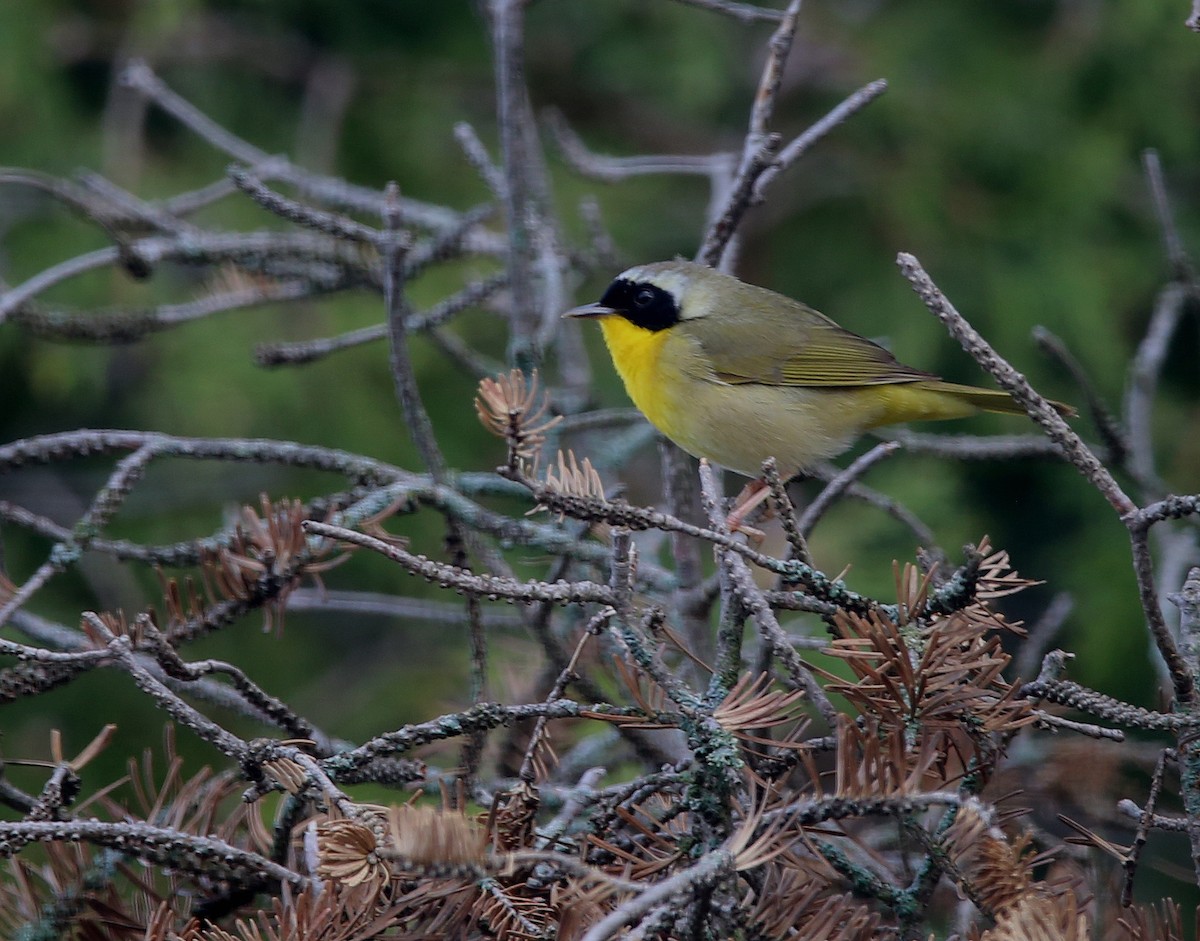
<point>989,400</point>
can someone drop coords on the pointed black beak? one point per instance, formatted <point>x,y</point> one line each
<point>591,310</point>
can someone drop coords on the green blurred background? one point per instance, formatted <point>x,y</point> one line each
<point>1005,155</point>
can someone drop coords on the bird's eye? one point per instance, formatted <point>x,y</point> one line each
<point>643,298</point>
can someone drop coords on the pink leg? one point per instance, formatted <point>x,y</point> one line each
<point>752,495</point>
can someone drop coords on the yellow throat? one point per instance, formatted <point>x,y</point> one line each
<point>636,353</point>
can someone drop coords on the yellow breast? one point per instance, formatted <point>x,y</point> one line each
<point>650,380</point>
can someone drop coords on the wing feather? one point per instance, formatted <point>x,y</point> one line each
<point>797,346</point>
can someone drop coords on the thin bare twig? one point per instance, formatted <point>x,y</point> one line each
<point>1188,602</point>
<point>1177,255</point>
<point>524,182</point>
<point>757,607</point>
<point>797,148</point>
<point>1112,435</point>
<point>478,157</point>
<point>1055,427</point>
<point>746,12</point>
<point>975,447</point>
<point>333,191</point>
<point>610,169</point>
<point>165,846</point>
<point>488,586</point>
<point>838,485</point>
<point>710,868</point>
<point>397,309</point>
<point>107,501</point>
<point>783,506</point>
<point>122,653</point>
<point>1142,387</point>
<point>761,147</point>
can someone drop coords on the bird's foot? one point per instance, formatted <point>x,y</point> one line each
<point>747,502</point>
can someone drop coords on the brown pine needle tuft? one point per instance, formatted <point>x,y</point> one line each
<point>349,853</point>
<point>265,549</point>
<point>572,478</point>
<point>290,775</point>
<point>1161,922</point>
<point>1039,918</point>
<point>997,578</point>
<point>752,705</point>
<point>941,672</point>
<point>430,836</point>
<point>512,407</point>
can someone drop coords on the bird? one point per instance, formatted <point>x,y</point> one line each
<point>736,373</point>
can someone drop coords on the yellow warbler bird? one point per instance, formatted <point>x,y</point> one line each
<point>736,373</point>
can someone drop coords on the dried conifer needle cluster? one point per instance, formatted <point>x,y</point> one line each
<point>512,407</point>
<point>940,674</point>
<point>268,553</point>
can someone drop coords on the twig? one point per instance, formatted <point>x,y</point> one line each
<point>448,576</point>
<point>121,649</point>
<point>268,252</point>
<point>106,502</point>
<point>1042,634</point>
<point>746,12</point>
<point>258,699</point>
<point>709,869</point>
<point>756,605</point>
<point>400,607</point>
<point>1173,507</point>
<point>13,298</point>
<point>610,169</point>
<point>1142,384</point>
<point>346,767</point>
<point>138,75</point>
<point>1109,428</point>
<point>576,801</point>
<point>1067,693</point>
<point>1177,256</point>
<point>731,629</point>
<point>838,485</point>
<point>126,326</point>
<point>469,360</point>
<point>1046,720</point>
<point>761,147</point>
<point>407,393</point>
<point>327,223</point>
<point>736,203</point>
<point>1145,822</point>
<point>782,503</point>
<point>682,501</point>
<point>810,811</point>
<point>637,631</point>
<point>307,351</point>
<point>1188,602</point>
<point>975,447</point>
<point>798,147</point>
<point>1183,681</point>
<point>881,501</point>
<point>1055,427</point>
<point>522,165</point>
<point>594,626</point>
<point>1078,453</point>
<point>793,571</point>
<point>480,160</point>
<point>200,855</point>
